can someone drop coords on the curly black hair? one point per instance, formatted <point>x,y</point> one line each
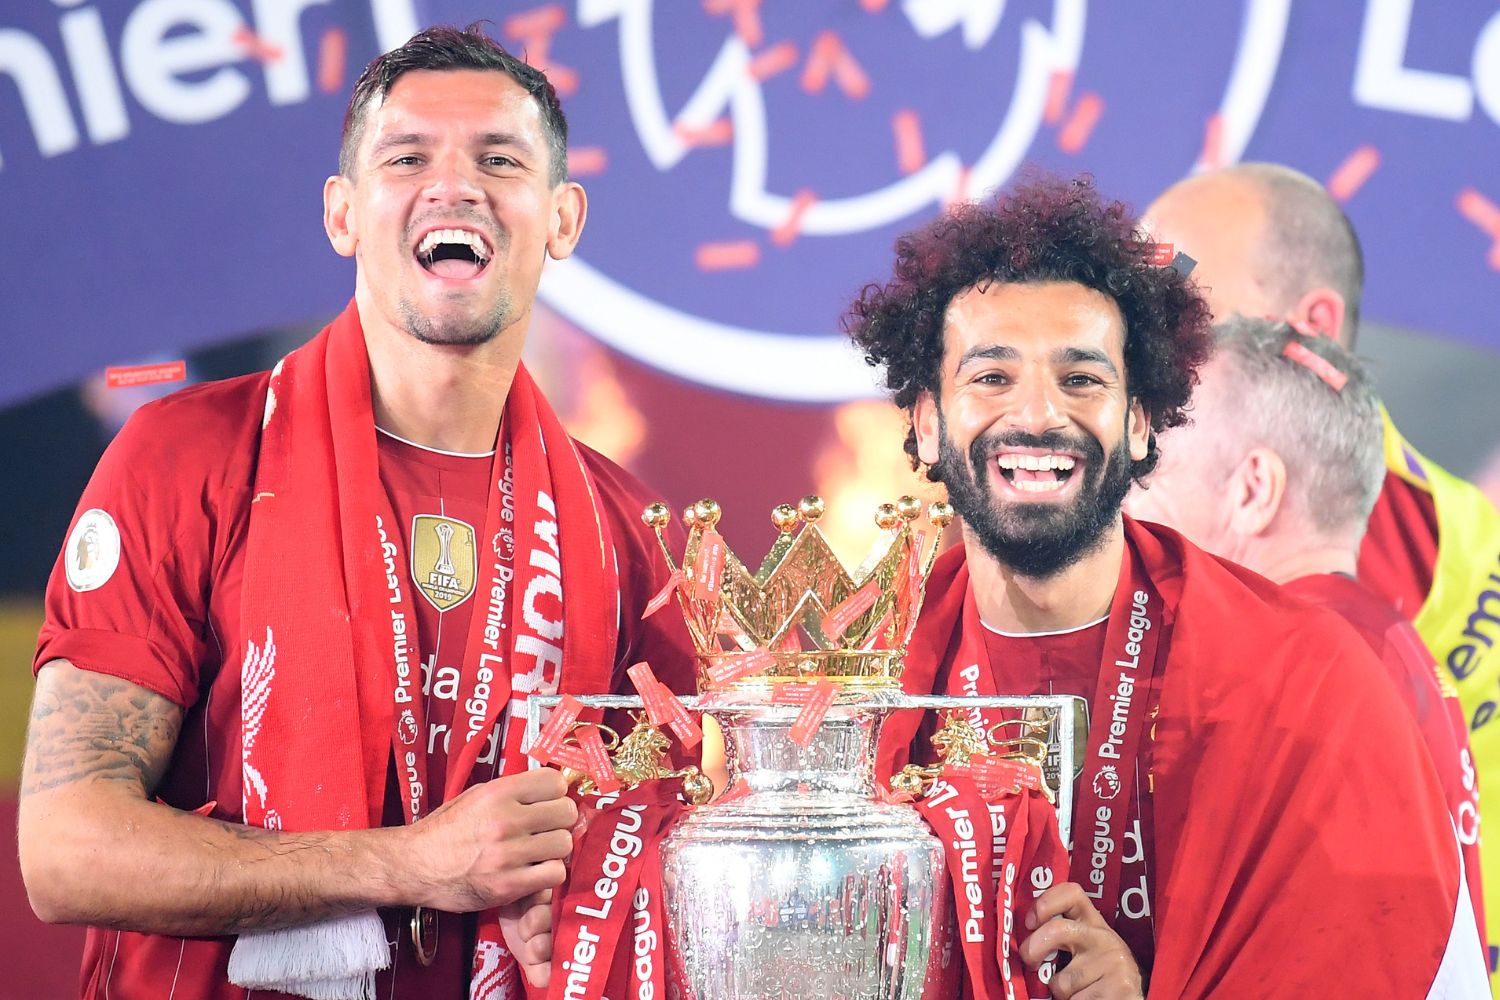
<point>1046,229</point>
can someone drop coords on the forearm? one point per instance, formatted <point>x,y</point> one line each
<point>95,848</point>
<point>93,855</point>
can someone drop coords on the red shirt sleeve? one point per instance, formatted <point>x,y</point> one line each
<point>128,595</point>
<point>1399,553</point>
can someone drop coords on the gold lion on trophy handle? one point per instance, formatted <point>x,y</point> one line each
<point>958,741</point>
<point>641,756</point>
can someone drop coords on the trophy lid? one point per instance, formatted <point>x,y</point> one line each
<point>801,615</point>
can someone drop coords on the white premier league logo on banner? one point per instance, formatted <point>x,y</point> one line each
<point>1107,782</point>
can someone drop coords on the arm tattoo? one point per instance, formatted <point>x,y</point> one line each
<point>87,726</point>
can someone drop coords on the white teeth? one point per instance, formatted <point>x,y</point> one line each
<point>473,240</point>
<point>1038,485</point>
<point>1035,463</point>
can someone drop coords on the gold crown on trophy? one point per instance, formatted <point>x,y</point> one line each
<point>802,615</point>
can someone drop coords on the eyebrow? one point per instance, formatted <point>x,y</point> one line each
<point>398,139</point>
<point>989,352</point>
<point>418,138</point>
<point>1083,356</point>
<point>503,139</point>
<point>1061,356</point>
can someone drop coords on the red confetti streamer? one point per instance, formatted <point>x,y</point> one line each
<point>837,621</point>
<point>125,376</point>
<point>777,59</point>
<point>596,759</point>
<point>1317,364</point>
<point>587,161</point>
<point>709,566</point>
<point>820,63</point>
<point>1160,254</point>
<point>739,666</point>
<point>1486,215</point>
<point>1075,133</point>
<point>565,80</point>
<point>558,725</point>
<point>1353,172</point>
<point>717,133</point>
<point>810,719</point>
<point>733,256</point>
<point>663,707</point>
<point>1213,142</point>
<point>851,77</point>
<point>539,22</point>
<point>829,56</point>
<point>534,29</point>
<point>256,47</point>
<point>746,14</point>
<point>569,755</point>
<point>786,234</point>
<point>792,694</point>
<point>1480,210</point>
<point>911,152</point>
<point>878,633</point>
<point>333,60</point>
<point>993,774</point>
<point>960,190</point>
<point>663,595</point>
<point>1057,96</point>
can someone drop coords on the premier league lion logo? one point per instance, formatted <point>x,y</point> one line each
<point>1107,782</point>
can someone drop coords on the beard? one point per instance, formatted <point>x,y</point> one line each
<point>1035,540</point>
<point>462,329</point>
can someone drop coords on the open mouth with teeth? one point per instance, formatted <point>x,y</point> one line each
<point>1036,473</point>
<point>454,253</point>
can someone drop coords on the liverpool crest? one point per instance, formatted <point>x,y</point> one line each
<point>444,565</point>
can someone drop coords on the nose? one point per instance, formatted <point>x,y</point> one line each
<point>1037,406</point>
<point>453,179</point>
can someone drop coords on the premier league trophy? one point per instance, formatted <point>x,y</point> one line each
<point>800,881</point>
<point>806,878</point>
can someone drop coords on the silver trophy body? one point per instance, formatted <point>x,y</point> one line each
<point>803,883</point>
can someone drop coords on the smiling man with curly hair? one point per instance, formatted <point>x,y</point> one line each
<point>1246,790</point>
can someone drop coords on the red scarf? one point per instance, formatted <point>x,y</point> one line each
<point>326,584</point>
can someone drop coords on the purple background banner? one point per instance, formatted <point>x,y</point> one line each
<point>161,160</point>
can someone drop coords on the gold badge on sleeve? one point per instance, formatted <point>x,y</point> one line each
<point>444,562</point>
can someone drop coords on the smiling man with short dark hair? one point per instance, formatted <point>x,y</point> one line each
<point>279,727</point>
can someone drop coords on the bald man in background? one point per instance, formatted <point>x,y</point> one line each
<point>1278,471</point>
<point>1270,241</point>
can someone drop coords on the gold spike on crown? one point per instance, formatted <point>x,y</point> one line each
<point>793,606</point>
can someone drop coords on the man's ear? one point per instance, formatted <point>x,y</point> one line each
<point>570,207</point>
<point>1323,309</point>
<point>1138,430</point>
<point>338,220</point>
<point>924,421</point>
<point>1256,488</point>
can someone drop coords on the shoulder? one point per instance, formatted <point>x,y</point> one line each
<point>621,495</point>
<point>210,427</point>
<point>1232,626</point>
